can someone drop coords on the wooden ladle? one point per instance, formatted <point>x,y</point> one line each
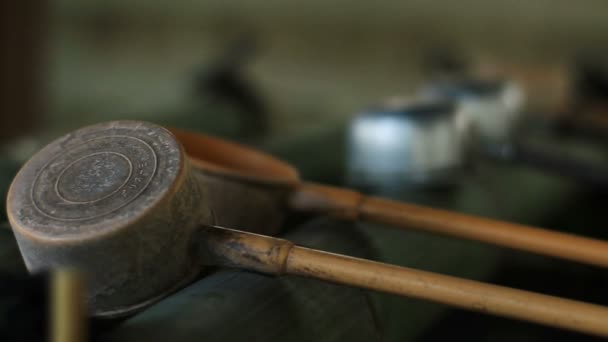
<point>120,202</point>
<point>263,189</point>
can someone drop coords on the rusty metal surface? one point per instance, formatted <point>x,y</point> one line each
<point>116,200</point>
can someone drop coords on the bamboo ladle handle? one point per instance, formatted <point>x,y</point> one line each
<point>275,256</point>
<point>350,204</point>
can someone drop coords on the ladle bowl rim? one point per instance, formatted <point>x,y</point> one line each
<point>77,238</point>
<point>228,159</point>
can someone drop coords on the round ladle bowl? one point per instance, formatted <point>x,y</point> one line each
<point>119,202</point>
<point>122,190</point>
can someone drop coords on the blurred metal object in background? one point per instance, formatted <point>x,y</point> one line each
<point>488,110</point>
<point>490,116</point>
<point>404,143</point>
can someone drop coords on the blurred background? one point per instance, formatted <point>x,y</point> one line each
<point>312,62</point>
<point>299,79</point>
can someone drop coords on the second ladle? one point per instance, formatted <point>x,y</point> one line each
<point>254,191</point>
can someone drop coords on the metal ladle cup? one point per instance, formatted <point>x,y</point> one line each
<point>106,194</point>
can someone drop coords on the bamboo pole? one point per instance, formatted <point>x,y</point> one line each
<point>349,204</point>
<point>233,248</point>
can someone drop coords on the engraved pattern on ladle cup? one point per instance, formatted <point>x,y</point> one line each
<point>101,177</point>
<point>52,203</point>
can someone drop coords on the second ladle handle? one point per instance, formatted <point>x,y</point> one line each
<point>275,256</point>
<point>350,204</point>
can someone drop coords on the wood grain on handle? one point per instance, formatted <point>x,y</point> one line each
<point>353,205</point>
<point>281,257</point>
